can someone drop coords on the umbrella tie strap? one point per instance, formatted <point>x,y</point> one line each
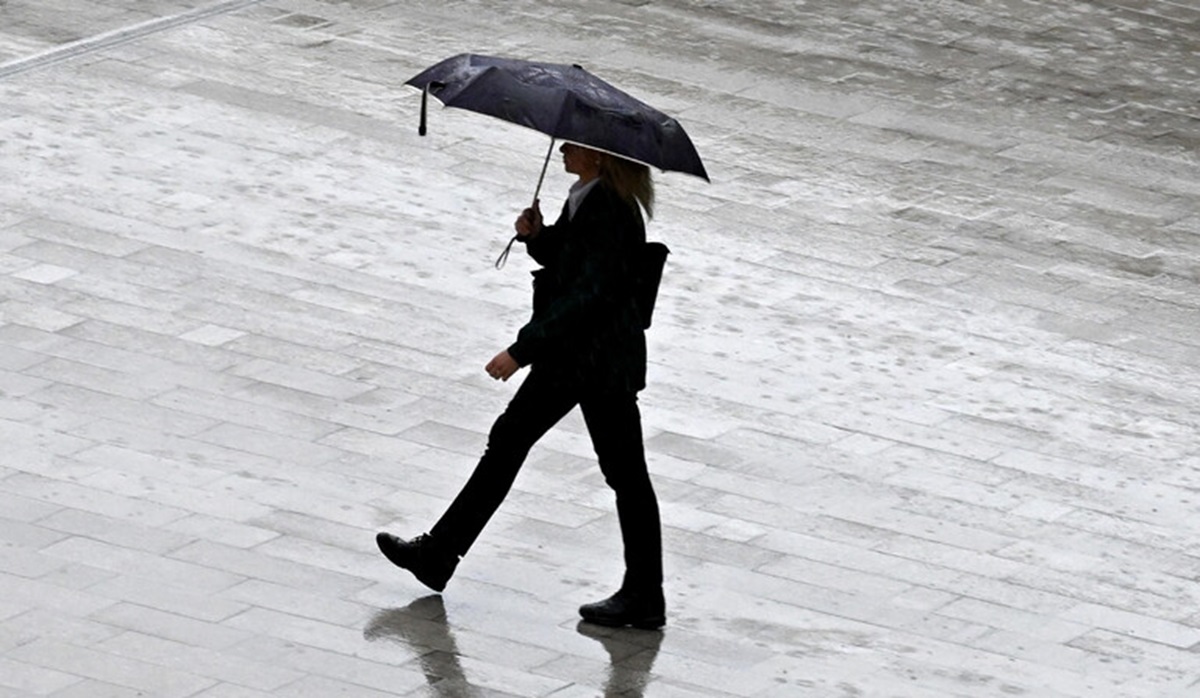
<point>503,258</point>
<point>424,108</point>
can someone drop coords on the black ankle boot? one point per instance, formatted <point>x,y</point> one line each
<point>421,556</point>
<point>641,609</point>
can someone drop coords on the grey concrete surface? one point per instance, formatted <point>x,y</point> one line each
<point>922,404</point>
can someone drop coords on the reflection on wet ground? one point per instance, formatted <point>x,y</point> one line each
<point>631,655</point>
<point>424,627</point>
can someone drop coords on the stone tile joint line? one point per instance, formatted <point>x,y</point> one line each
<point>117,37</point>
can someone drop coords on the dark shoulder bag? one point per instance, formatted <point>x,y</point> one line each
<point>651,260</point>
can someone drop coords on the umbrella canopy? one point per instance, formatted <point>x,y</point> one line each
<point>564,102</point>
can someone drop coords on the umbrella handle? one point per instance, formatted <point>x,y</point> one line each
<point>503,258</point>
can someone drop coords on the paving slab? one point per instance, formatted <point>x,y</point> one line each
<point>921,403</point>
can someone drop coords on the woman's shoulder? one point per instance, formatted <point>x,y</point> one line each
<point>606,192</point>
<point>604,201</point>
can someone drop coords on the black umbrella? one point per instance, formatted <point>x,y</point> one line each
<point>564,102</point>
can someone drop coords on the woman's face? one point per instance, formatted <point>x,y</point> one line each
<point>581,161</point>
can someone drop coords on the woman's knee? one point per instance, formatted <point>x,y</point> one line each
<point>511,435</point>
<point>628,476</point>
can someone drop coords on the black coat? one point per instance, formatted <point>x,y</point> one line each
<point>586,332</point>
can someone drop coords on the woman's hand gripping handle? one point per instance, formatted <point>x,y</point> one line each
<point>529,223</point>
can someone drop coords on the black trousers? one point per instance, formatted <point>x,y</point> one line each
<point>615,426</point>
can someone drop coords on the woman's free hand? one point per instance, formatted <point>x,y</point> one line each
<point>529,223</point>
<point>502,366</point>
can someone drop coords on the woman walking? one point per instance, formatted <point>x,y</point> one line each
<point>585,345</point>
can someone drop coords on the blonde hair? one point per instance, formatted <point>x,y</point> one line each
<point>631,180</point>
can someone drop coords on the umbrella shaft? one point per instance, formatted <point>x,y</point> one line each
<point>545,164</point>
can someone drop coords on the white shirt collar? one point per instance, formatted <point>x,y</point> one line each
<point>579,191</point>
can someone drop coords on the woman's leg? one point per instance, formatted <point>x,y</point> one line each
<point>537,406</point>
<point>615,425</point>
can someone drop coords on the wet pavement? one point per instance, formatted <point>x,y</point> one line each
<point>922,404</point>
